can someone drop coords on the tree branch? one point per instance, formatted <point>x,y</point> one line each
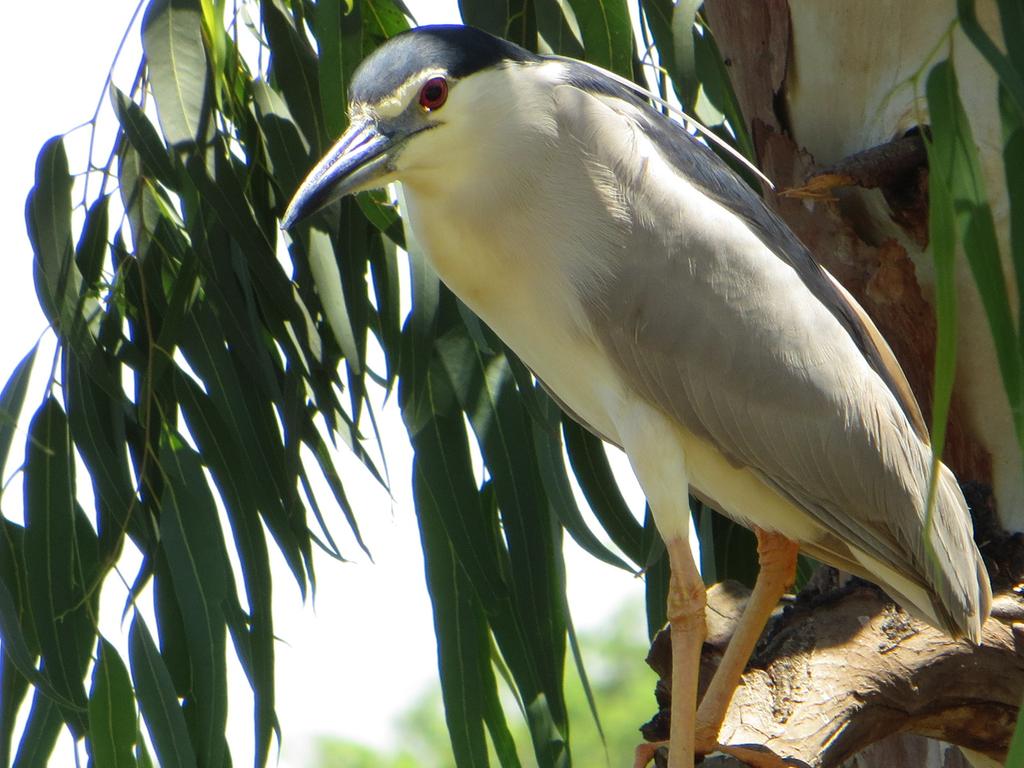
<point>837,673</point>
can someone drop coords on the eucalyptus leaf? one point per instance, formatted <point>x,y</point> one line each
<point>172,38</point>
<point>111,711</point>
<point>607,34</point>
<point>199,568</point>
<point>953,155</point>
<point>143,136</point>
<point>54,587</point>
<point>157,700</point>
<point>12,398</point>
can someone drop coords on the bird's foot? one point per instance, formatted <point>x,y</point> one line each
<point>644,753</point>
<point>705,738</point>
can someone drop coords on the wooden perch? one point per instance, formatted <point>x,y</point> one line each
<point>838,672</point>
<point>889,165</point>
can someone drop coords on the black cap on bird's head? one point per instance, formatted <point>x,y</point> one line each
<point>397,92</point>
<point>457,50</point>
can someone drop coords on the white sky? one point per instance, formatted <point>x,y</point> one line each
<point>367,649</point>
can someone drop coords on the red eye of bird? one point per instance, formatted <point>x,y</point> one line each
<point>434,93</point>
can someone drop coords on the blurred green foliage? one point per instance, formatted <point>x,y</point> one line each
<point>622,686</point>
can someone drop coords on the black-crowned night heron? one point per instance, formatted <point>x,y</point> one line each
<point>674,315</point>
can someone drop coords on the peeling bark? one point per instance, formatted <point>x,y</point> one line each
<point>839,672</point>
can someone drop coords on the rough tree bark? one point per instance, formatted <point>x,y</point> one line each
<point>842,669</point>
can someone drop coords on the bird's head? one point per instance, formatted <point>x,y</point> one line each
<point>416,107</point>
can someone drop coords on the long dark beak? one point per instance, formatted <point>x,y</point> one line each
<point>354,163</point>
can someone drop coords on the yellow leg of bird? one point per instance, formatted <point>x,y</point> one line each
<point>777,558</point>
<point>686,602</point>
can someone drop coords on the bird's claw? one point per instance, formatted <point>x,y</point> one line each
<point>644,753</point>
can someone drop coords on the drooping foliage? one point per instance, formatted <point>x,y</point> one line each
<point>200,393</point>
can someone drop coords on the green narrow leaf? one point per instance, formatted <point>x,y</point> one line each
<point>607,33</point>
<point>488,16</point>
<point>734,551</point>
<point>1011,77</point>
<point>717,87</point>
<point>536,652</point>
<point>230,471</point>
<point>445,472</point>
<point>462,646</point>
<point>333,97</point>
<point>40,734</point>
<point>656,576</point>
<point>48,215</point>
<point>54,587</point>
<point>294,72</point>
<point>71,310</point>
<point>257,444</point>
<point>143,137</point>
<point>19,646</point>
<point>323,263</point>
<point>16,646</point>
<point>706,535</point>
<point>197,559</point>
<point>536,399</point>
<point>1011,22</point>
<point>387,292</point>
<point>1013,162</point>
<point>172,39</point>
<point>111,711</point>
<point>381,19</point>
<point>13,687</point>
<point>418,339</point>
<point>594,474</point>
<point>324,461</point>
<point>554,28</point>
<point>513,20</point>
<point>98,427</point>
<point>683,58</point>
<point>547,445</point>
<point>17,661</point>
<point>142,203</point>
<point>92,245</point>
<point>378,208</point>
<point>287,149</point>
<point>225,194</point>
<point>954,155</point>
<point>213,24</point>
<point>942,238</point>
<point>11,401</point>
<point>494,719</point>
<point>142,755</point>
<point>351,240</point>
<point>158,700</point>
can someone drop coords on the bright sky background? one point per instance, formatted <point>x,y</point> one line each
<point>366,649</point>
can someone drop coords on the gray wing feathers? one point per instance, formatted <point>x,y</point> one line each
<point>749,344</point>
<point>704,169</point>
<point>847,456</point>
<point>953,543</point>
